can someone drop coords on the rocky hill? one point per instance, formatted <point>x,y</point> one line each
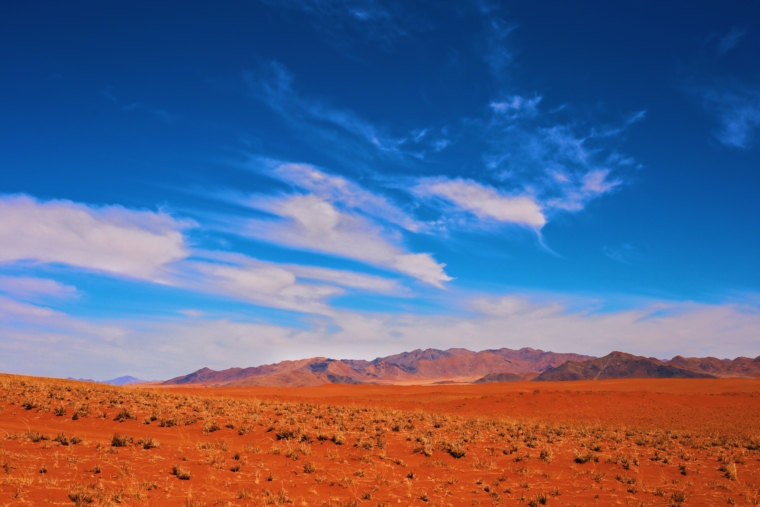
<point>417,366</point>
<point>618,365</point>
<point>739,367</point>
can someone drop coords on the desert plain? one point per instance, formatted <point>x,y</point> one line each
<point>691,442</point>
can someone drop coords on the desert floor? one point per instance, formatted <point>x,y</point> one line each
<point>616,442</point>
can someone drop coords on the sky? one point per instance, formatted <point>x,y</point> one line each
<point>239,183</point>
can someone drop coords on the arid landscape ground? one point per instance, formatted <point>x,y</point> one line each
<point>605,442</point>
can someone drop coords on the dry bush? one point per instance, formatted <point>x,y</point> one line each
<point>729,470</point>
<point>456,448</point>
<point>182,473</point>
<point>120,440</point>
<point>210,426</point>
<point>83,494</point>
<point>149,443</point>
<point>125,415</point>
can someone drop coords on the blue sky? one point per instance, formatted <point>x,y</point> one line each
<point>245,182</point>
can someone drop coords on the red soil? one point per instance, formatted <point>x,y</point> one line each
<point>643,442</point>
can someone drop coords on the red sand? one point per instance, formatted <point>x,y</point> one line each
<point>647,442</point>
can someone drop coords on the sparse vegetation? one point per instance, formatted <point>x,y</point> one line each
<point>338,455</point>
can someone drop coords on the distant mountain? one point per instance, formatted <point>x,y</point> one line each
<point>120,381</point>
<point>618,365</point>
<point>493,378</point>
<point>123,381</point>
<point>417,366</point>
<point>739,367</point>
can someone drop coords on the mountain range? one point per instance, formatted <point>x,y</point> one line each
<point>118,381</point>
<point>457,365</point>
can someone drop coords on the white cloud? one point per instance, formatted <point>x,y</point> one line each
<point>340,190</point>
<point>266,284</point>
<point>421,266</point>
<point>293,287</point>
<point>348,279</point>
<point>27,287</point>
<point>111,239</point>
<point>312,223</point>
<point>54,344</point>
<point>483,201</point>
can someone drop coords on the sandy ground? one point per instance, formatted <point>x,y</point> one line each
<point>637,442</point>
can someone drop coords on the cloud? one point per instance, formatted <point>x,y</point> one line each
<point>507,306</point>
<point>348,279</point>
<point>621,254</point>
<point>265,284</point>
<point>312,223</point>
<point>161,114</point>
<point>51,343</point>
<point>348,135</point>
<point>273,84</point>
<point>345,22</point>
<point>578,193</point>
<point>738,110</point>
<point>337,189</point>
<point>110,239</point>
<point>562,165</point>
<point>33,288</point>
<point>497,56</point>
<point>730,40</point>
<point>517,105</point>
<point>299,288</point>
<point>484,202</point>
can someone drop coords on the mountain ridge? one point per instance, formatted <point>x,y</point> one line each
<point>463,366</point>
<point>617,365</point>
<point>419,365</point>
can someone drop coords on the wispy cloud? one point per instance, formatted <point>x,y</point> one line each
<point>51,343</point>
<point>152,247</point>
<point>620,254</point>
<point>111,239</point>
<point>347,21</point>
<point>305,289</point>
<point>738,109</point>
<point>313,223</point>
<point>34,288</point>
<point>563,165</point>
<point>273,84</point>
<point>498,55</point>
<point>484,202</point>
<point>159,113</point>
<point>730,40</point>
<point>263,284</point>
<point>340,190</point>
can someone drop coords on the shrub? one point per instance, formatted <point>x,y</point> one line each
<point>120,440</point>
<point>125,414</point>
<point>181,473</point>
<point>149,443</point>
<point>456,449</point>
<point>210,426</point>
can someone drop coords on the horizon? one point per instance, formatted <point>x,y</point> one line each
<point>280,180</point>
<point>665,360</point>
